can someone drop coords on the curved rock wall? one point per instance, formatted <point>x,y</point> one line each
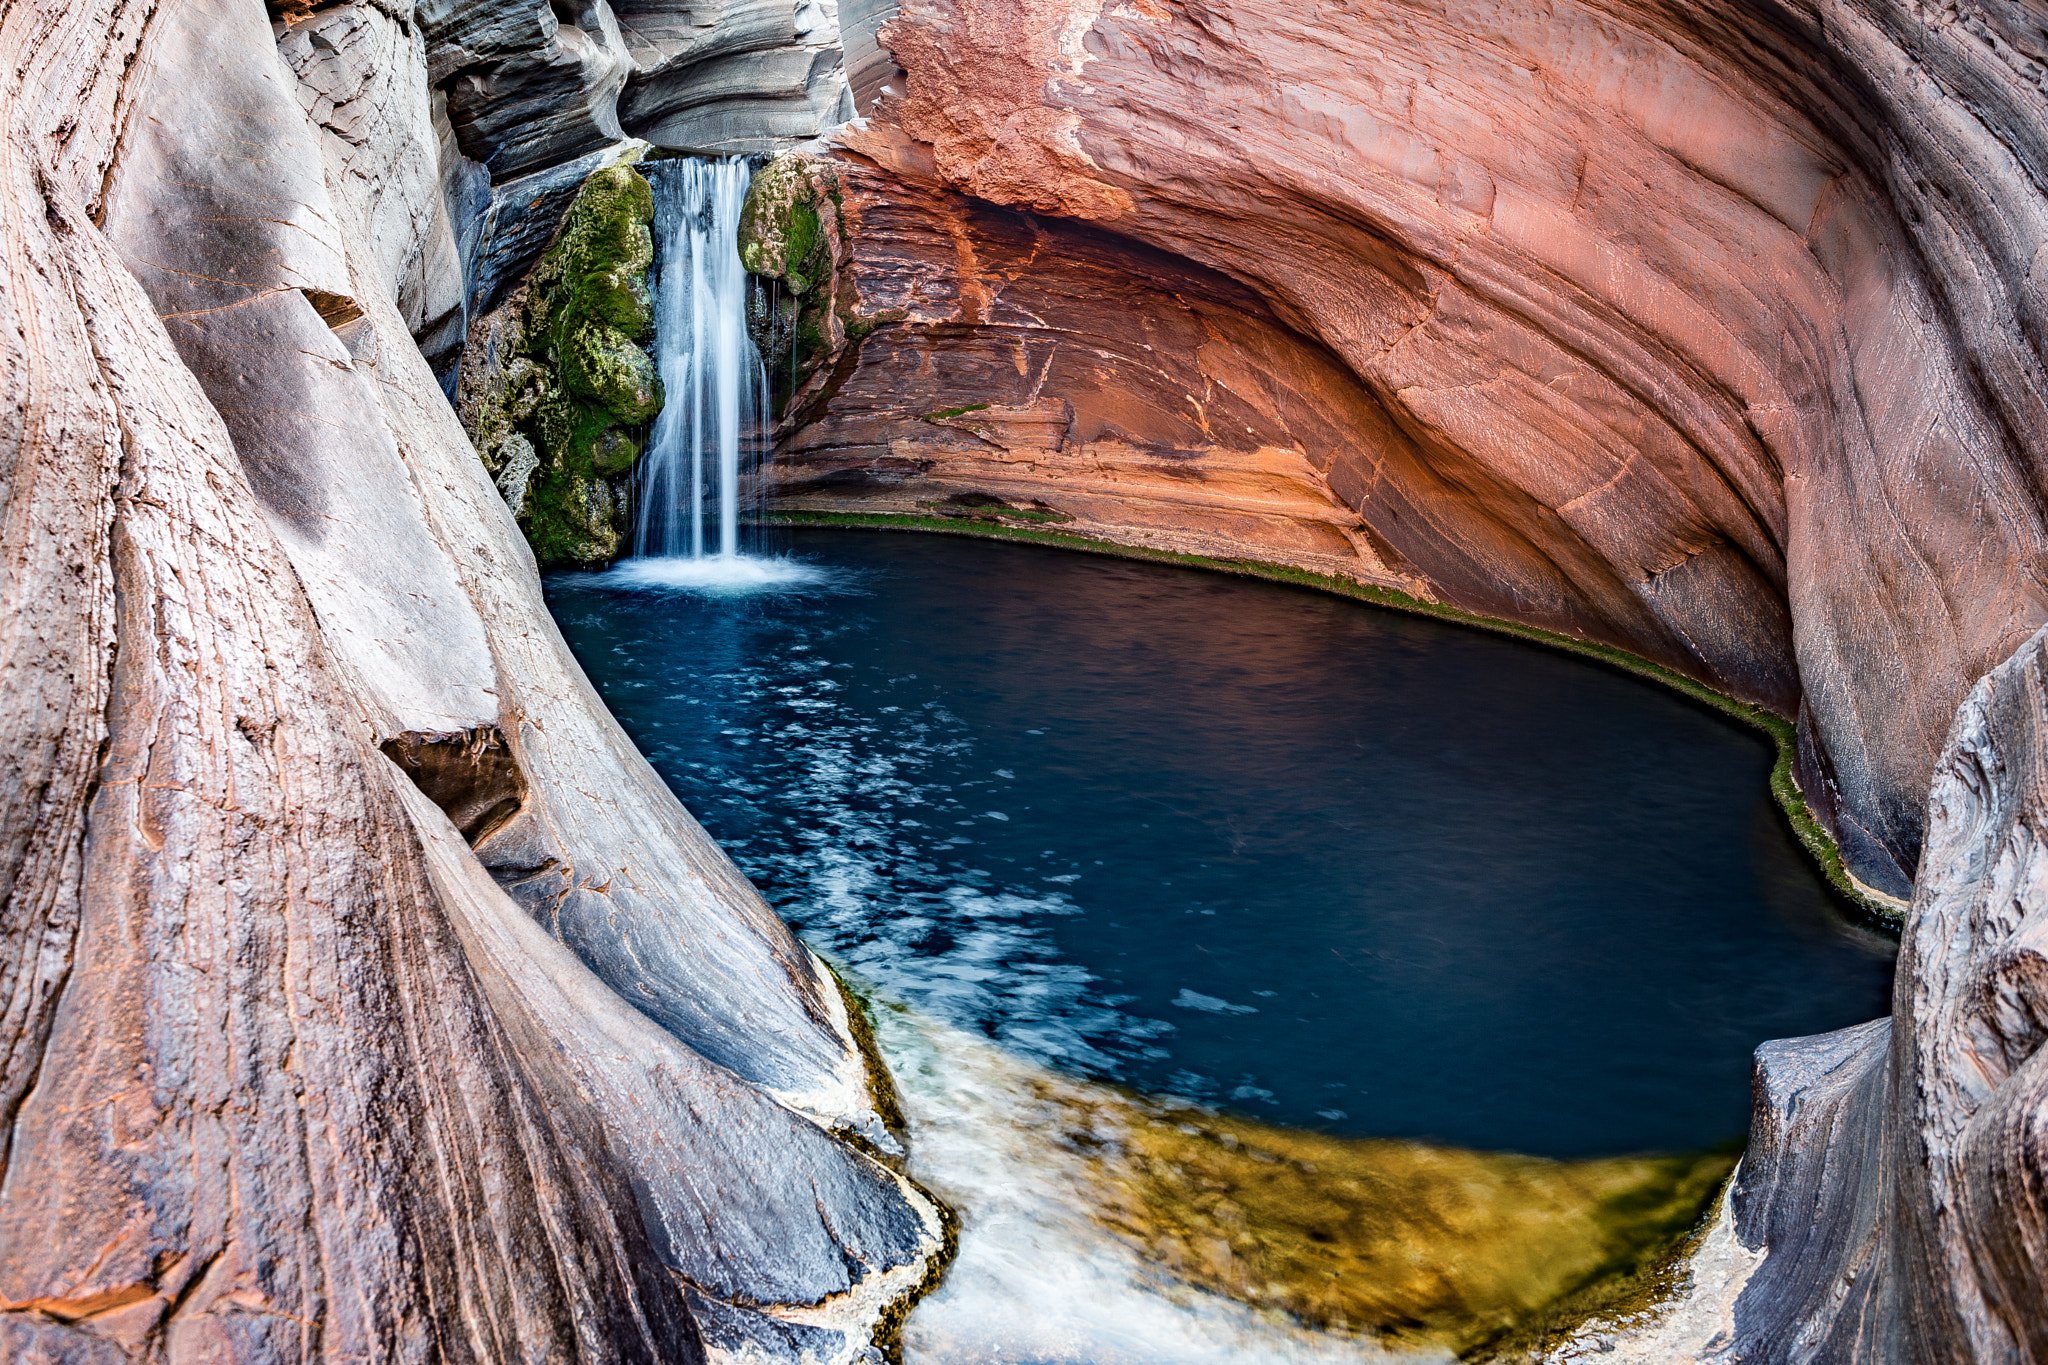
<point>1894,1170</point>
<point>1708,331</point>
<point>361,984</point>
<point>289,1068</point>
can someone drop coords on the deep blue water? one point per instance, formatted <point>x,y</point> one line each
<point>1325,864</point>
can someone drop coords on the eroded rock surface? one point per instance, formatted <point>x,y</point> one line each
<point>293,1067</point>
<point>1709,331</point>
<point>1893,1180</point>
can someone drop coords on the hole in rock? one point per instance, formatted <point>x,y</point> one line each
<point>336,310</point>
<point>470,774</point>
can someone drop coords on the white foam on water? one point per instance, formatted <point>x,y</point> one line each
<point>1037,1280</point>
<point>718,575</point>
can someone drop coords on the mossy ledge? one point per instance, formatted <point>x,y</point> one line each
<point>1811,834</point>
<point>881,1084</point>
<point>793,232</point>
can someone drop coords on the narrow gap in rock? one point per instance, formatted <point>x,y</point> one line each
<point>470,774</point>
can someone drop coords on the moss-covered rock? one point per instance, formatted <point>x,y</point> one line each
<point>790,224</point>
<point>600,363</point>
<point>555,381</point>
<point>793,230</point>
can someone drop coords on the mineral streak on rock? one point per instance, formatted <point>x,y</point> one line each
<point>552,380</point>
<point>288,1068</point>
<point>1711,332</point>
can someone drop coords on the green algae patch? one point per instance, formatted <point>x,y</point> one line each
<point>1806,827</point>
<point>945,414</point>
<point>887,1336</point>
<point>1410,1244</point>
<point>881,1084</point>
<point>557,383</point>
<point>1623,1300</point>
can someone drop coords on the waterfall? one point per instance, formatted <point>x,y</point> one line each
<point>717,387</point>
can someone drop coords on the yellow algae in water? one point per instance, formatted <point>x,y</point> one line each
<point>1412,1244</point>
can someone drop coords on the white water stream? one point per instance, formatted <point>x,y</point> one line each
<point>717,389</point>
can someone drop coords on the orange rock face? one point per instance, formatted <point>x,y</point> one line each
<point>1707,331</point>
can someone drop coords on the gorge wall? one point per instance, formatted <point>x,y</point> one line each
<point>1710,331</point>
<point>365,995</point>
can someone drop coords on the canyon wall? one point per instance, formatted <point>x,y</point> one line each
<point>1893,1175</point>
<point>365,996</point>
<point>1710,331</point>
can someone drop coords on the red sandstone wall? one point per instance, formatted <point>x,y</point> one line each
<point>1702,330</point>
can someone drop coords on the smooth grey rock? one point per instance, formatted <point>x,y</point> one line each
<point>741,1332</point>
<point>1893,1175</point>
<point>868,64</point>
<point>747,77</point>
<point>527,87</point>
<point>357,81</point>
<point>257,1110</point>
<point>284,1075</point>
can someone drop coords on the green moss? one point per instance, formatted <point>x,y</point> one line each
<point>785,236</point>
<point>572,380</point>
<point>581,520</point>
<point>1808,829</point>
<point>601,364</point>
<point>888,1334</point>
<point>806,239</point>
<point>944,414</point>
<point>614,453</point>
<point>596,268</point>
<point>881,1085</point>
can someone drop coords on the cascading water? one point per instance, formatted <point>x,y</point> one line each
<point>717,387</point>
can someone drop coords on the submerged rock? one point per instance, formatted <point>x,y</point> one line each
<point>555,379</point>
<point>1209,1231</point>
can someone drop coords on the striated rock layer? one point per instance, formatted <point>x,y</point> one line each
<point>363,994</point>
<point>1893,1176</point>
<point>1710,330</point>
<point>1713,331</point>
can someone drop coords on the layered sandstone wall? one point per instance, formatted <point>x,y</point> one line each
<point>365,995</point>
<point>1709,331</point>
